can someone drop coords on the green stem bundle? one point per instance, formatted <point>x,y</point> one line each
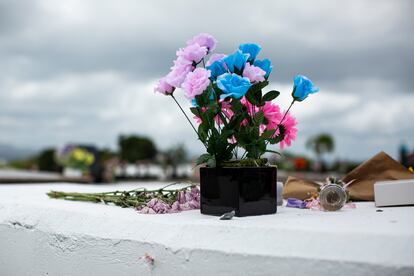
<point>132,199</point>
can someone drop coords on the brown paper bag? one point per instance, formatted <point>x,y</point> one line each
<point>378,168</point>
<point>298,188</point>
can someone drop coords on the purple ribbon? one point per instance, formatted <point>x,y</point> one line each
<point>296,203</point>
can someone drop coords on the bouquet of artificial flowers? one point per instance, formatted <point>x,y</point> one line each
<point>237,120</point>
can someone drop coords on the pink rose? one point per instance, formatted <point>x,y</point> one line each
<point>204,40</point>
<point>196,82</point>
<point>253,73</point>
<point>163,87</point>
<point>193,52</point>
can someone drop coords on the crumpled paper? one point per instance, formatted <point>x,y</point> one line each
<point>378,168</point>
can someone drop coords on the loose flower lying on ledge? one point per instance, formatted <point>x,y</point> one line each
<point>157,201</point>
<point>232,111</point>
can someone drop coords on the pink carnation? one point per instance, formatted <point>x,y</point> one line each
<point>290,134</point>
<point>163,87</point>
<point>193,52</point>
<point>272,114</point>
<point>196,82</point>
<point>178,73</point>
<point>204,40</point>
<point>215,57</point>
<point>253,73</point>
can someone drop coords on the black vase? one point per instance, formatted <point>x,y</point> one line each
<point>248,191</point>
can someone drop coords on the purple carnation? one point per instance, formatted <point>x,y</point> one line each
<point>163,87</point>
<point>155,206</point>
<point>193,53</point>
<point>178,72</point>
<point>196,82</point>
<point>186,200</point>
<point>204,40</point>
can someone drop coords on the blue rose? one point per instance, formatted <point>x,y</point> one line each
<point>236,60</point>
<point>302,87</point>
<point>251,49</point>
<point>233,85</point>
<point>217,68</point>
<point>265,65</point>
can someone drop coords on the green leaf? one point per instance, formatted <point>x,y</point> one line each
<point>195,111</point>
<point>258,118</point>
<point>202,132</point>
<point>211,162</point>
<point>268,133</point>
<point>203,158</point>
<point>251,98</point>
<point>279,137</point>
<point>259,85</point>
<point>273,151</point>
<point>254,94</point>
<point>200,100</point>
<point>271,95</point>
<point>236,106</point>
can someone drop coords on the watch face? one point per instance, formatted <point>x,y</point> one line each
<point>332,197</point>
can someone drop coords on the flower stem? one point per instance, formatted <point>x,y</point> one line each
<point>291,104</point>
<point>284,116</point>
<point>188,119</point>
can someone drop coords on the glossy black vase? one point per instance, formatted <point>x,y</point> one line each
<point>247,191</point>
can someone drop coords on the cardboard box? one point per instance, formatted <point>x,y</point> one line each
<point>394,193</point>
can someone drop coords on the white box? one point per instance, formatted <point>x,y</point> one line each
<point>394,192</point>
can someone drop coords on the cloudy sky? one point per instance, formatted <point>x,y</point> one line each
<point>83,71</point>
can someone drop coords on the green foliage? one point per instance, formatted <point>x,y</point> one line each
<point>245,126</point>
<point>176,155</point>
<point>27,163</point>
<point>271,95</point>
<point>46,161</point>
<point>134,148</point>
<point>321,144</point>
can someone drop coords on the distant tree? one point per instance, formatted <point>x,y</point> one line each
<point>134,148</point>
<point>320,145</point>
<point>29,163</point>
<point>46,161</point>
<point>106,154</point>
<point>175,156</point>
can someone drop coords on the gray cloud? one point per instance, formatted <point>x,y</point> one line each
<point>83,70</point>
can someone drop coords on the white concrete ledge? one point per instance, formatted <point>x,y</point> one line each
<point>42,236</point>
